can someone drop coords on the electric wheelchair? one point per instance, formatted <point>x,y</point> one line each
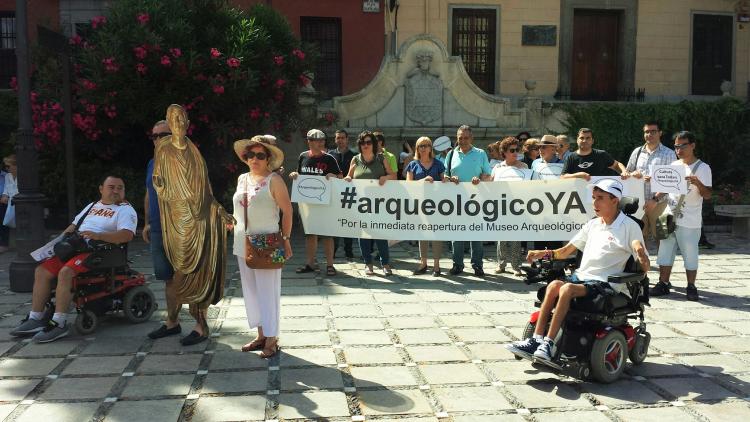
<point>108,287</point>
<point>596,338</point>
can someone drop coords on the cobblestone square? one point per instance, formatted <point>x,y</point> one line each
<point>406,348</point>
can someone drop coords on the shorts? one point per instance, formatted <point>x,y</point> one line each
<point>54,264</point>
<point>594,288</point>
<point>163,269</point>
<point>687,240</point>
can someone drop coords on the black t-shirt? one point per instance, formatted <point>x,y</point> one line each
<point>344,159</point>
<point>317,166</point>
<point>595,164</point>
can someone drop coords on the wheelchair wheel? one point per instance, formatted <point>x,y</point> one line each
<point>138,304</point>
<point>640,349</point>
<point>608,357</point>
<point>86,322</point>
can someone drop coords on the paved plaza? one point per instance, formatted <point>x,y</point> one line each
<point>373,348</point>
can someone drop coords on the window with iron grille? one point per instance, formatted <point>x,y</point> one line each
<point>325,33</point>
<point>7,48</point>
<point>474,38</point>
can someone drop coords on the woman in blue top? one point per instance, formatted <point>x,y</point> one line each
<point>426,168</point>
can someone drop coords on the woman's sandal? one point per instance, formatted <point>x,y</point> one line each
<point>269,352</point>
<point>254,345</point>
<point>369,271</point>
<point>330,270</point>
<point>306,269</point>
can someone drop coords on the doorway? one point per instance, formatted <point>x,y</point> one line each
<point>595,61</point>
<point>712,53</point>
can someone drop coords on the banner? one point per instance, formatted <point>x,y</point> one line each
<point>488,211</point>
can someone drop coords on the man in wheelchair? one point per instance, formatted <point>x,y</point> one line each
<point>110,220</point>
<point>607,242</point>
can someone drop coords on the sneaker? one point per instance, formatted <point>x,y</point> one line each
<point>478,271</point>
<point>524,348</point>
<point>28,327</point>
<point>456,270</point>
<point>660,289</point>
<point>692,293</point>
<point>545,351</point>
<point>51,332</point>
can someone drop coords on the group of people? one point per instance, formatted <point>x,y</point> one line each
<point>262,194</point>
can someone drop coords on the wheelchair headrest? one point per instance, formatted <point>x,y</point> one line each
<point>629,204</point>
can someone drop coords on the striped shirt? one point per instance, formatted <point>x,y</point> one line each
<point>642,159</point>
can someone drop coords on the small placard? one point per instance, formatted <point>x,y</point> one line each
<point>311,190</point>
<point>539,35</point>
<point>371,6</point>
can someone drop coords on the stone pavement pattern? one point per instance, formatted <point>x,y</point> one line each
<point>400,348</point>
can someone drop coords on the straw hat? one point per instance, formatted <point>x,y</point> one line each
<point>277,156</point>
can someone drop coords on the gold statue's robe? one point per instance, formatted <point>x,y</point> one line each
<point>193,224</point>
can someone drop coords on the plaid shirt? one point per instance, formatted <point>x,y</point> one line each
<point>641,159</point>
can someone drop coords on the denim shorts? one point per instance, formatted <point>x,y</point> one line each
<point>593,287</point>
<point>162,267</point>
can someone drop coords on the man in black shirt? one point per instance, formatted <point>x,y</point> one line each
<point>317,162</point>
<point>343,156</point>
<point>587,161</point>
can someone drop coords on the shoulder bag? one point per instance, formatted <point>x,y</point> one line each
<point>262,251</point>
<point>73,243</point>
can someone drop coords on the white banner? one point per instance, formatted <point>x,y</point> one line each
<point>399,210</point>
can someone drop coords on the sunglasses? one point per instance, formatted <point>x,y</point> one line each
<point>259,155</point>
<point>424,146</point>
<point>681,146</point>
<point>365,143</point>
<point>155,136</point>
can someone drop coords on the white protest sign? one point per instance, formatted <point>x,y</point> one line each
<point>489,211</point>
<point>548,171</point>
<point>668,179</point>
<point>510,174</point>
<point>46,251</point>
<point>311,190</point>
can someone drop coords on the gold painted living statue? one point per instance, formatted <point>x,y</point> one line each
<point>193,223</point>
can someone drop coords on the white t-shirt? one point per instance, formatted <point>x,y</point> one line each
<point>693,205</point>
<point>606,248</point>
<point>108,218</point>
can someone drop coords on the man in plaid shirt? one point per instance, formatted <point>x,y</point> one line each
<point>652,153</point>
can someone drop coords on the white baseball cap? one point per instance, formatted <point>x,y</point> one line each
<point>441,144</point>
<point>610,185</point>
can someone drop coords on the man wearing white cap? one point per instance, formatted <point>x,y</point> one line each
<point>317,162</point>
<point>441,146</point>
<point>607,242</point>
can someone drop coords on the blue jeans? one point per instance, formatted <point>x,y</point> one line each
<point>477,254</point>
<point>162,267</point>
<point>366,246</point>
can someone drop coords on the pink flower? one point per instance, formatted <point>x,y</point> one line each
<point>87,84</point>
<point>141,68</point>
<point>110,65</point>
<point>279,60</point>
<point>215,53</point>
<point>75,40</point>
<point>255,113</point>
<point>140,52</point>
<point>176,52</point>
<point>233,62</point>
<point>218,89</point>
<point>91,109</point>
<point>280,82</point>
<point>304,80</point>
<point>200,77</point>
<point>299,53</point>
<point>111,111</point>
<point>165,61</point>
<point>98,21</point>
<point>14,83</point>
<point>143,18</point>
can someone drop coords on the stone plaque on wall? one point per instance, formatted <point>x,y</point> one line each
<point>540,35</point>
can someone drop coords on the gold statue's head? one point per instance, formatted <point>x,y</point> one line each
<point>177,120</point>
